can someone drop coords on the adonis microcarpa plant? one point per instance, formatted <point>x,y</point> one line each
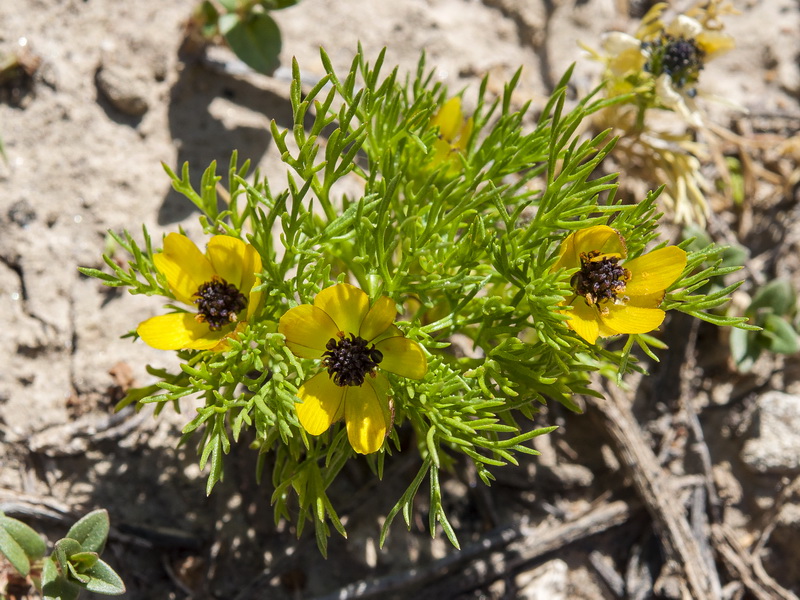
<point>333,341</point>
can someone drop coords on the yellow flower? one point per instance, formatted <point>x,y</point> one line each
<point>611,298</point>
<point>454,134</point>
<point>676,55</point>
<point>624,54</point>
<point>711,42</point>
<point>218,283</point>
<point>662,63</point>
<point>352,339</point>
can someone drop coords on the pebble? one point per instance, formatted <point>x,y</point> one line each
<point>124,87</point>
<point>546,582</point>
<point>21,213</point>
<point>774,442</point>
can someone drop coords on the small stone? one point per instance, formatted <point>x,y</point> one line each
<point>124,88</point>
<point>546,582</point>
<point>789,518</point>
<point>784,545</point>
<point>789,78</point>
<point>21,213</point>
<point>775,443</point>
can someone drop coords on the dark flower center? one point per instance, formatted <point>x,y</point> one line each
<point>350,360</point>
<point>680,58</point>
<point>600,279</point>
<point>218,303</point>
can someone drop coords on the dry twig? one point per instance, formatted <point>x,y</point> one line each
<point>654,487</point>
<point>524,543</point>
<point>745,567</point>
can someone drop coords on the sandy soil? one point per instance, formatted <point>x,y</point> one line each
<point>84,141</point>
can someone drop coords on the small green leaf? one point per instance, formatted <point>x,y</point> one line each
<point>738,344</point>
<point>49,572</point>
<point>745,348</point>
<point>30,541</point>
<point>205,17</point>
<point>54,585</point>
<point>134,395</point>
<point>736,178</point>
<point>104,580</point>
<point>64,548</point>
<point>91,531</point>
<point>778,295</point>
<point>75,576</point>
<point>213,449</point>
<point>97,274</point>
<point>321,534</point>
<point>277,4</point>
<point>84,560</point>
<point>734,256</point>
<point>256,40</point>
<point>780,335</point>
<point>14,553</point>
<point>230,5</point>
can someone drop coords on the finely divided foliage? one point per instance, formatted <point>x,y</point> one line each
<point>455,232</point>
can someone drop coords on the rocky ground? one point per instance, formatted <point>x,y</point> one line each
<point>689,476</point>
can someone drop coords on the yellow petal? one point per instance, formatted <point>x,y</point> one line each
<point>382,388</point>
<point>365,418</point>
<point>616,42</point>
<point>714,43</point>
<point>251,269</point>
<point>584,320</point>
<point>179,331</point>
<point>622,318</point>
<point>651,24</point>
<point>403,357</point>
<point>624,53</point>
<point>322,403</point>
<point>441,152</point>
<point>392,331</point>
<point>184,266</point>
<point>224,343</point>
<point>629,61</point>
<point>605,331</point>
<point>226,254</point>
<point>307,330</point>
<point>653,300</point>
<point>685,27</point>
<point>600,238</point>
<point>667,94</point>
<point>448,119</point>
<point>655,272</point>
<point>378,319</point>
<point>568,258</point>
<point>253,302</point>
<point>345,304</point>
